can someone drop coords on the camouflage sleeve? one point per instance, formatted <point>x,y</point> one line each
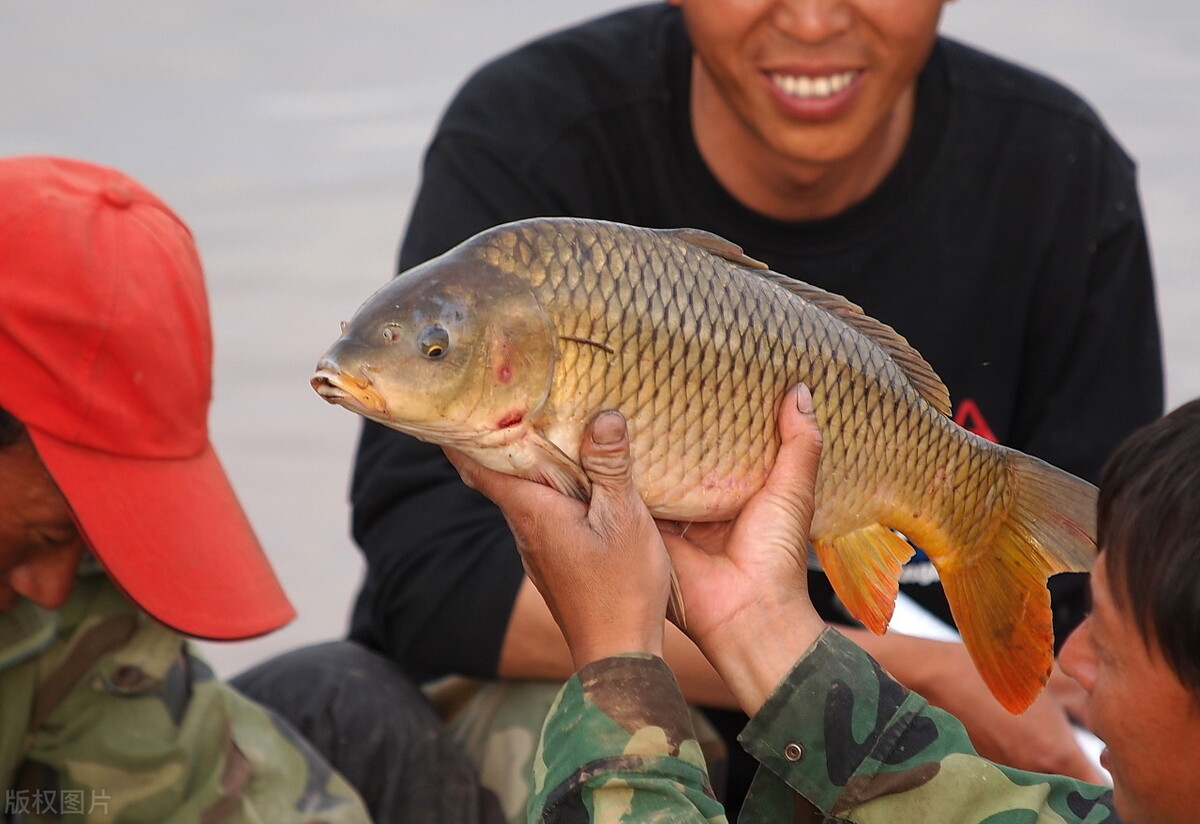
<point>618,746</point>
<point>861,747</point>
<point>126,723</point>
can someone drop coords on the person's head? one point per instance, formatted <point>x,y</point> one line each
<point>782,88</point>
<point>105,338</point>
<point>1138,653</point>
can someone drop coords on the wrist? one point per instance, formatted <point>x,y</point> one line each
<point>601,645</point>
<point>755,650</point>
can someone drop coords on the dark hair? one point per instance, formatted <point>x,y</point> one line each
<point>1148,524</point>
<point>10,430</point>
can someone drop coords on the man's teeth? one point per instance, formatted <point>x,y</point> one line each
<point>813,87</point>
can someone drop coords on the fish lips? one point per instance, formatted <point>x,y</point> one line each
<point>356,394</point>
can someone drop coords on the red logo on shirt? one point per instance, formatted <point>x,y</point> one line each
<point>971,419</point>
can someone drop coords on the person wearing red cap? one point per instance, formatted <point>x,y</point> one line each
<point>119,530</point>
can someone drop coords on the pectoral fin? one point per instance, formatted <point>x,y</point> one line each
<point>864,568</point>
<point>552,467</point>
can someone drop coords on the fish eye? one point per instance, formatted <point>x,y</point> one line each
<point>433,341</point>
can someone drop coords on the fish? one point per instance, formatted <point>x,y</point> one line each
<point>506,345</point>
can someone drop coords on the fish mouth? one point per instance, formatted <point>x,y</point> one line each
<point>354,393</point>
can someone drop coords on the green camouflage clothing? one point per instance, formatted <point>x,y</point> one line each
<point>613,750</point>
<point>498,724</point>
<point>107,716</point>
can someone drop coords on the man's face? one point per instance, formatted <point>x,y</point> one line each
<point>814,81</point>
<point>1149,722</point>
<point>40,548</point>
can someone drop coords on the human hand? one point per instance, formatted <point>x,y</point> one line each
<point>601,567</point>
<point>744,583</point>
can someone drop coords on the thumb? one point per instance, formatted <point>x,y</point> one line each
<point>790,488</point>
<point>604,452</point>
<point>604,455</point>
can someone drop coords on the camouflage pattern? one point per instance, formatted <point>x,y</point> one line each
<point>499,723</point>
<point>637,758</point>
<point>107,716</point>
<point>838,730</point>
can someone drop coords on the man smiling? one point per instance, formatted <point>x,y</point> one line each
<point>802,109</point>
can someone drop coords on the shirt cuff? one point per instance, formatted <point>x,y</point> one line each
<point>617,717</point>
<point>834,723</point>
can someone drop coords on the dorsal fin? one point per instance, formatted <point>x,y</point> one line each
<point>915,367</point>
<point>716,244</point>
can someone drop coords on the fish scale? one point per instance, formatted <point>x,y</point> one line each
<point>508,344</point>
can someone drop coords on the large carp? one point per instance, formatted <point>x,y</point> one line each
<point>505,346</point>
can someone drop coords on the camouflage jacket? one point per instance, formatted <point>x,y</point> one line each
<point>107,716</point>
<point>617,747</point>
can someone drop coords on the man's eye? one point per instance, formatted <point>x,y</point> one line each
<point>58,535</point>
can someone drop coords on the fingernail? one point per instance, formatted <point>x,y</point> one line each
<point>804,401</point>
<point>608,428</point>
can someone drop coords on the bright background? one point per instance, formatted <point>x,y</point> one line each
<point>288,134</point>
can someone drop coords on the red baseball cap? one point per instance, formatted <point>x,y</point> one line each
<point>107,349</point>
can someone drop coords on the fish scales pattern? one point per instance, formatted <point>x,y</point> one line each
<point>697,353</point>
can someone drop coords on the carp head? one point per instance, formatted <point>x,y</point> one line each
<point>455,351</point>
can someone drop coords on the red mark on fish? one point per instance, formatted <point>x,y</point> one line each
<point>510,420</point>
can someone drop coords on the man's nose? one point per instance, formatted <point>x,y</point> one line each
<point>47,578</point>
<point>813,21</point>
<point>1077,657</point>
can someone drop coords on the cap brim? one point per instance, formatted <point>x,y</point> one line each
<point>172,535</point>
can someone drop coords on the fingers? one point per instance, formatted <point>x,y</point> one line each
<point>604,451</point>
<point>790,488</point>
<point>473,473</point>
<point>801,442</point>
<point>520,499</point>
<point>616,508</point>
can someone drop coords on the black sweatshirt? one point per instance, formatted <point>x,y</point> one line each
<point>1007,245</point>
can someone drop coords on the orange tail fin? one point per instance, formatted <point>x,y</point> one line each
<point>998,593</point>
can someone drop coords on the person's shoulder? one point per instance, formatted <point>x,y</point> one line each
<point>587,70</point>
<point>999,82</point>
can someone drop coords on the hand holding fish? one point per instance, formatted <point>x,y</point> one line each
<point>745,582</point>
<point>580,557</point>
<point>744,585</point>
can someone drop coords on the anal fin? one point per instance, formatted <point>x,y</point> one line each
<point>864,568</point>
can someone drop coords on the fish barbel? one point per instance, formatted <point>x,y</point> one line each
<point>508,344</point>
